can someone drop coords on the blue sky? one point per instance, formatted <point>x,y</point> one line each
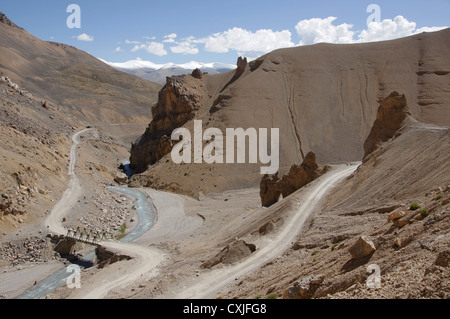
<point>218,31</point>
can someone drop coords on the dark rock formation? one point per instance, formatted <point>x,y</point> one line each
<point>178,101</point>
<point>390,116</point>
<point>271,186</point>
<point>107,257</point>
<point>299,176</point>
<point>241,67</point>
<point>197,73</point>
<point>269,190</point>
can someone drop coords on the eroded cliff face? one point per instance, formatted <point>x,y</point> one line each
<point>178,102</point>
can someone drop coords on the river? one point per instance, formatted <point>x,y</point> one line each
<point>146,215</point>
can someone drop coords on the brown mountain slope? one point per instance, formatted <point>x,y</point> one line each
<point>35,138</point>
<point>323,98</point>
<point>91,90</point>
<point>411,245</point>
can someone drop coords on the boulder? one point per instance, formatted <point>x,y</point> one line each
<point>396,215</point>
<point>121,178</point>
<point>363,247</point>
<point>442,258</point>
<point>230,254</point>
<point>400,222</point>
<point>305,288</point>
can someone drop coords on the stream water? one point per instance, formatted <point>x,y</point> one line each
<point>146,219</point>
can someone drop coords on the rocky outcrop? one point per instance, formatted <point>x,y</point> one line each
<point>269,190</point>
<point>197,73</point>
<point>271,186</point>
<point>29,250</point>
<point>305,288</point>
<point>390,116</point>
<point>233,252</point>
<point>4,19</point>
<point>107,256</point>
<point>178,102</point>
<point>7,206</point>
<point>241,66</point>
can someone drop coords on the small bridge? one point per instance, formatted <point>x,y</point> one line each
<point>87,236</point>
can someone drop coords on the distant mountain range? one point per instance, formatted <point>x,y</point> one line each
<point>158,72</point>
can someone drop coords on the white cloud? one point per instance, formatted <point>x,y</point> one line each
<point>170,38</point>
<point>239,39</point>
<point>132,42</point>
<point>387,29</point>
<point>138,47</point>
<point>185,47</point>
<point>85,37</point>
<point>322,30</point>
<point>155,48</point>
<point>118,49</point>
<point>429,29</point>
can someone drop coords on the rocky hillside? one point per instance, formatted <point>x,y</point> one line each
<point>384,233</point>
<point>323,98</point>
<point>76,81</point>
<point>48,91</point>
<point>34,147</point>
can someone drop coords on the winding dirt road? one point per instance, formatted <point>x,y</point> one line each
<point>144,259</point>
<point>208,285</point>
<point>71,194</point>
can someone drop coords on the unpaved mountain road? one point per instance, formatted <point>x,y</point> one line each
<point>146,259</point>
<point>53,221</point>
<point>209,284</point>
